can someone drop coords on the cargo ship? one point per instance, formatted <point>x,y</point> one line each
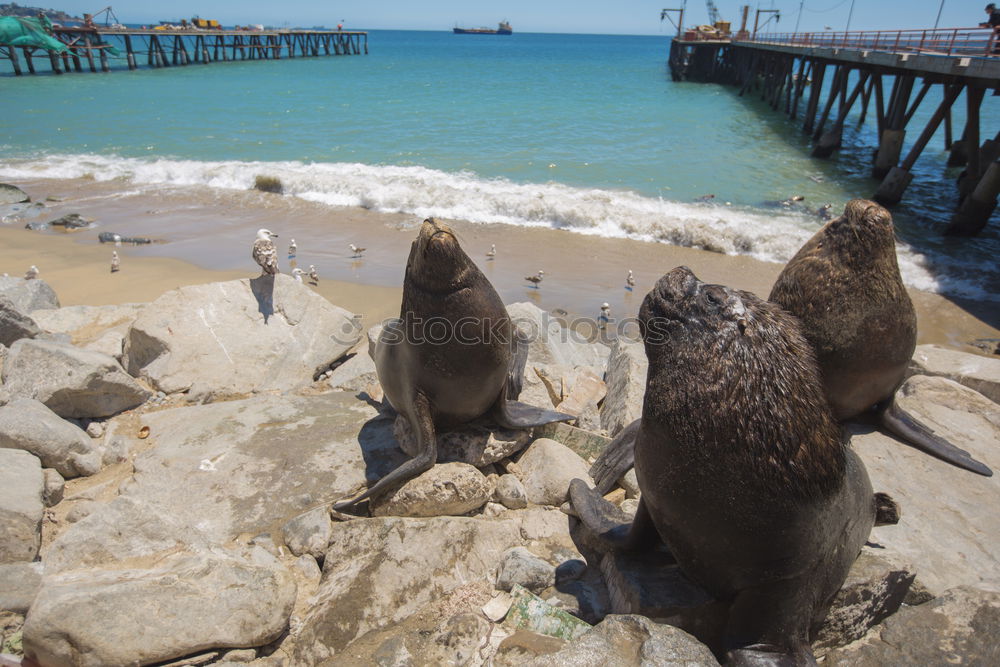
<point>502,29</point>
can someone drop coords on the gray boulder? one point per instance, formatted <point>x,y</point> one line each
<point>27,424</point>
<point>546,469</point>
<point>183,604</point>
<point>380,571</point>
<point>308,533</point>
<point>626,381</point>
<point>19,583</point>
<point>55,487</point>
<point>520,566</point>
<point>69,381</point>
<point>959,628</point>
<point>28,295</point>
<point>973,370</point>
<point>630,641</point>
<point>551,343</point>
<point>244,467</point>
<point>238,337</point>
<point>448,489</point>
<point>11,194</point>
<point>510,492</point>
<point>21,506</point>
<point>84,323</point>
<point>15,325</point>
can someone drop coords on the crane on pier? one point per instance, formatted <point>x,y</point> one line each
<point>713,12</point>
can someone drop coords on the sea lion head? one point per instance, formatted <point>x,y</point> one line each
<point>864,233</point>
<point>682,307</point>
<point>437,262</point>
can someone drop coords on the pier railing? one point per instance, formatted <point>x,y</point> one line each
<point>974,42</point>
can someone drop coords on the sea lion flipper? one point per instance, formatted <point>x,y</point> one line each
<point>422,425</point>
<point>616,459</point>
<point>608,523</point>
<point>911,430</point>
<point>515,414</point>
<point>518,361</point>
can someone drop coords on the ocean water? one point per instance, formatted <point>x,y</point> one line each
<point>579,132</point>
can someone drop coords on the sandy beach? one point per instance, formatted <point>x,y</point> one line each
<point>206,237</point>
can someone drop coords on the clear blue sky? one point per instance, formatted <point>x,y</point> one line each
<point>639,17</point>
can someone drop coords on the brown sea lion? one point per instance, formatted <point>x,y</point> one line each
<point>453,355</point>
<point>845,287</point>
<point>743,469</point>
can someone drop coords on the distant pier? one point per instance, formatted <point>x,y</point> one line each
<point>789,71</point>
<point>88,47</point>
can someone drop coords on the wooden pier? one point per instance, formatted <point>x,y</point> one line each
<point>871,69</point>
<point>88,48</point>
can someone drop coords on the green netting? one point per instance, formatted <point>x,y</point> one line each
<point>28,32</point>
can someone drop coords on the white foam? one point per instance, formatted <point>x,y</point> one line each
<point>771,236</point>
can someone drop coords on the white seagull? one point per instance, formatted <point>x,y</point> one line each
<point>264,252</point>
<point>31,273</point>
<point>115,262</point>
<point>356,250</point>
<point>534,280</point>
<point>492,252</point>
<point>297,273</point>
<point>605,315</point>
<point>313,275</point>
<point>630,281</point>
<point>292,248</point>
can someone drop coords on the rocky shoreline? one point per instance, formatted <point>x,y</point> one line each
<point>168,470</point>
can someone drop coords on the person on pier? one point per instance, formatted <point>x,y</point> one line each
<point>993,22</point>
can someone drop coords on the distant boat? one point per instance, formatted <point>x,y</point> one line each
<point>502,29</point>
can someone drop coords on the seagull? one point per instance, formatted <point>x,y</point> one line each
<point>313,275</point>
<point>292,248</point>
<point>264,252</point>
<point>534,280</point>
<point>605,316</point>
<point>356,250</point>
<point>630,281</point>
<point>297,273</point>
<point>493,252</point>
<point>115,262</point>
<point>31,273</point>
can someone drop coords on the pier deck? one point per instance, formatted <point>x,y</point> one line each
<point>88,48</point>
<point>879,69</point>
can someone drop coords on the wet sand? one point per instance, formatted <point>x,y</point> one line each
<point>207,234</point>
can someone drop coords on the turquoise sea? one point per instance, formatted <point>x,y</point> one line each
<point>582,132</point>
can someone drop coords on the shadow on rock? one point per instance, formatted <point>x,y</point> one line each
<point>263,290</point>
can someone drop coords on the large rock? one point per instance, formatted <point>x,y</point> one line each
<point>21,505</point>
<point>959,628</point>
<point>950,534</point>
<point>27,424</point>
<point>973,370</point>
<point>448,489</point>
<point>380,571</point>
<point>630,641</point>
<point>14,325</point>
<point>28,295</point>
<point>85,324</point>
<point>183,604</point>
<point>238,337</point>
<point>308,533</point>
<point>19,583</point>
<point>626,381</point>
<point>11,194</point>
<point>546,469</point>
<point>244,466</point>
<point>552,343</point>
<point>69,381</point>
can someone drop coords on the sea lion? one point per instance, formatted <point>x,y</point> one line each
<point>453,355</point>
<point>743,469</point>
<point>845,287</point>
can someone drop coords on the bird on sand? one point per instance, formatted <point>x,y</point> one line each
<point>535,279</point>
<point>31,273</point>
<point>297,273</point>
<point>605,316</point>
<point>313,274</point>
<point>292,248</point>
<point>492,252</point>
<point>115,261</point>
<point>629,281</point>
<point>264,252</point>
<point>356,250</point>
